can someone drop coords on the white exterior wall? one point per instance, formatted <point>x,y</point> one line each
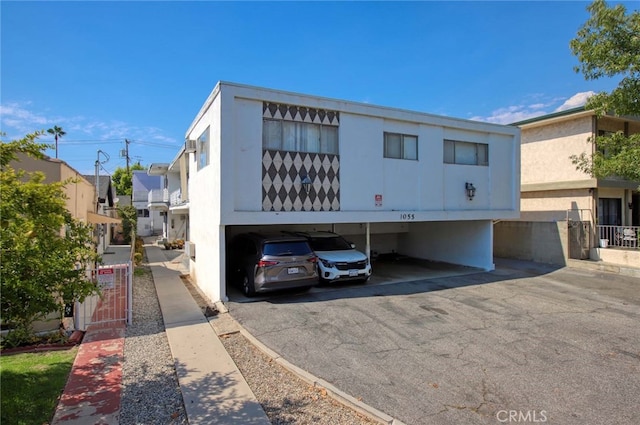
<point>147,226</point>
<point>228,191</point>
<point>205,207</point>
<point>469,243</point>
<point>426,187</point>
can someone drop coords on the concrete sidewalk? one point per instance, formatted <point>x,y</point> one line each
<point>213,389</point>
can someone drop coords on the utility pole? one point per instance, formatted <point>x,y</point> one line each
<point>126,142</point>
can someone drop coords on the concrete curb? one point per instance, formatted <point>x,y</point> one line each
<point>333,392</point>
<point>603,267</point>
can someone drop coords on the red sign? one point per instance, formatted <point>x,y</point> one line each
<point>106,278</point>
<point>378,198</point>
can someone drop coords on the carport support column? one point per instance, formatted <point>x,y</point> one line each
<point>367,227</point>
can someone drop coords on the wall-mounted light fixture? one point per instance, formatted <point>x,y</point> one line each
<point>630,205</point>
<point>306,183</point>
<point>470,189</point>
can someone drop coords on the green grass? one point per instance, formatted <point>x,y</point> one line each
<point>30,385</point>
<point>141,271</point>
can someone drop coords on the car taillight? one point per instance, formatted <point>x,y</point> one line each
<point>266,263</point>
<point>313,260</point>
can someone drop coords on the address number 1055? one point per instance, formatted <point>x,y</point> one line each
<point>407,216</point>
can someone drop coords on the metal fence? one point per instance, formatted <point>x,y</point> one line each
<point>113,303</point>
<point>619,236</point>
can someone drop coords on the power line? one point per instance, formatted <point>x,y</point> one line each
<point>89,142</point>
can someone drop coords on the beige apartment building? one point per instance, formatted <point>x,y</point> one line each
<point>81,202</point>
<point>565,213</point>
<point>81,195</point>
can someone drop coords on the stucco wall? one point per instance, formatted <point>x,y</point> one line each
<point>543,242</point>
<point>546,150</point>
<point>205,205</point>
<point>80,194</point>
<point>554,205</point>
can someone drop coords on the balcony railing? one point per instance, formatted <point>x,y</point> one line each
<point>176,198</point>
<point>619,236</point>
<point>158,196</point>
<point>140,196</point>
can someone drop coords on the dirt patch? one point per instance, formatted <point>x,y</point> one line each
<point>208,309</point>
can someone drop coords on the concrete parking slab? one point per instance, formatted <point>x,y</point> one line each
<point>385,273</point>
<point>525,342</point>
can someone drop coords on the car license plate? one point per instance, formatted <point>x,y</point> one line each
<point>353,273</point>
<point>292,270</point>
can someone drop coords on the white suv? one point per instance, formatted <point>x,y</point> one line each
<point>337,259</point>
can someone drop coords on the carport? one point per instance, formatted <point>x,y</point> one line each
<point>403,251</point>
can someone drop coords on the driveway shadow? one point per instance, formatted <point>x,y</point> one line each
<point>405,277</point>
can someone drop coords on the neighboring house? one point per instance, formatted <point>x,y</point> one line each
<point>172,200</point>
<point>81,195</point>
<point>80,202</point>
<point>104,207</point>
<point>560,203</point>
<point>390,180</point>
<point>150,221</point>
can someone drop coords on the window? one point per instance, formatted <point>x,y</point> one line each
<point>299,136</point>
<point>203,148</point>
<point>143,213</point>
<point>610,211</point>
<point>400,146</point>
<point>465,153</point>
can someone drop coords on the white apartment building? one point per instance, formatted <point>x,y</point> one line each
<point>390,180</point>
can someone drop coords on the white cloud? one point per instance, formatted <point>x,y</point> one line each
<point>17,116</point>
<point>515,113</point>
<point>512,114</point>
<point>18,119</point>
<point>578,99</point>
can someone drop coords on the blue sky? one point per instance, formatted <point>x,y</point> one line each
<point>106,71</point>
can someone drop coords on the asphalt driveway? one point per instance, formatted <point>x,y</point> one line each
<point>522,344</point>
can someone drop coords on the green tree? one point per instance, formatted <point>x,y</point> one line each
<point>57,133</point>
<point>122,179</point>
<point>129,217</point>
<point>608,45</point>
<point>44,251</point>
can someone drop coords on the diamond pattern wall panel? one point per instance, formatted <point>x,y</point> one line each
<point>282,174</point>
<point>281,111</point>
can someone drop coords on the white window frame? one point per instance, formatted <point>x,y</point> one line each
<point>204,147</point>
<point>406,152</point>
<point>481,157</point>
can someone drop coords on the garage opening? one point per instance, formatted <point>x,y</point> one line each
<point>399,251</point>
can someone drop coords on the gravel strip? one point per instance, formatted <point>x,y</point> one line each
<point>285,398</point>
<point>150,393</point>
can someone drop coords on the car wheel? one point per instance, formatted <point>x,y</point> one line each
<point>365,280</point>
<point>321,280</point>
<point>248,288</point>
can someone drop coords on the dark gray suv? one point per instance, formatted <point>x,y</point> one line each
<point>260,263</point>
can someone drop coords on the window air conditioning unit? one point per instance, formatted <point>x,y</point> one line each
<point>189,145</point>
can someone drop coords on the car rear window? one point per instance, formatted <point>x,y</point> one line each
<point>286,248</point>
<point>329,244</point>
